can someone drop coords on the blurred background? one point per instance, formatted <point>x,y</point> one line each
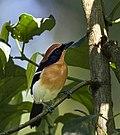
<point>70,25</point>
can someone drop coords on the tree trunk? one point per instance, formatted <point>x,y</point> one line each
<point>99,67</point>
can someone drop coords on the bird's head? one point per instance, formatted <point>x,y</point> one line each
<point>56,52</point>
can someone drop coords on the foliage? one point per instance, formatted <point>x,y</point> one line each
<point>29,26</point>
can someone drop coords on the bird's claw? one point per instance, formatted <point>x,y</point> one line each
<point>68,93</point>
<point>50,109</point>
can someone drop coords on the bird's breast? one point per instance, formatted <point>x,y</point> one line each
<point>52,80</point>
<point>54,76</point>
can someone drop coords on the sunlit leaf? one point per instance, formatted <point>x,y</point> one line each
<point>2,58</point>
<point>116,21</point>
<point>112,65</point>
<point>79,126</point>
<point>33,133</point>
<point>78,55</point>
<point>4,53</point>
<point>29,26</point>
<point>4,34</point>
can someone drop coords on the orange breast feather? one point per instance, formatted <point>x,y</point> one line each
<point>54,76</point>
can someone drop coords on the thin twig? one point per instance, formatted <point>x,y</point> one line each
<point>18,45</point>
<point>23,57</point>
<point>23,47</point>
<point>58,100</point>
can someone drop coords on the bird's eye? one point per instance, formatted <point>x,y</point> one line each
<point>57,51</point>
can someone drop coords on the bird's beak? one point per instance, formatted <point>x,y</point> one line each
<point>67,45</point>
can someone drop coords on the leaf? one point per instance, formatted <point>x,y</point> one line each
<point>10,86</point>
<point>33,133</point>
<point>2,59</point>
<point>13,70</point>
<point>4,35</point>
<point>1,70</point>
<point>4,53</point>
<point>16,121</point>
<point>78,55</point>
<point>14,81</point>
<point>11,114</point>
<point>82,95</point>
<point>44,126</point>
<point>112,65</point>
<point>29,26</point>
<point>64,118</point>
<point>31,70</point>
<point>116,132</point>
<point>79,126</point>
<point>116,21</point>
<point>17,99</point>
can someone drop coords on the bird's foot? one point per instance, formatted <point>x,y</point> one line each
<point>67,92</point>
<point>48,106</point>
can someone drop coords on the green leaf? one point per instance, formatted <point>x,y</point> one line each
<point>78,55</point>
<point>82,95</point>
<point>14,81</point>
<point>10,86</point>
<point>16,121</point>
<point>116,132</point>
<point>31,70</point>
<point>44,126</point>
<point>4,32</point>
<point>13,70</point>
<point>17,99</point>
<point>11,114</point>
<point>2,59</point>
<point>1,71</point>
<point>6,49</point>
<point>116,21</point>
<point>79,126</point>
<point>33,133</point>
<point>29,26</point>
<point>112,65</point>
<point>64,118</point>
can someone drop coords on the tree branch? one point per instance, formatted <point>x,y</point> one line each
<point>99,66</point>
<point>23,57</point>
<point>58,100</point>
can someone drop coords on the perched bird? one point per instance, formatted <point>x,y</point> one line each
<point>49,78</point>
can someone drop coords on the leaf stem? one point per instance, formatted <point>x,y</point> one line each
<point>18,45</point>
<point>23,57</point>
<point>23,47</point>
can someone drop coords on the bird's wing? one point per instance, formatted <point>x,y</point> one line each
<point>36,76</point>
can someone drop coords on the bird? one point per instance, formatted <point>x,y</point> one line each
<point>49,78</point>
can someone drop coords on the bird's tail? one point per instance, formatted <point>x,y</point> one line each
<point>36,109</point>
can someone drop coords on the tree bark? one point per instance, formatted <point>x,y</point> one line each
<point>99,67</point>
